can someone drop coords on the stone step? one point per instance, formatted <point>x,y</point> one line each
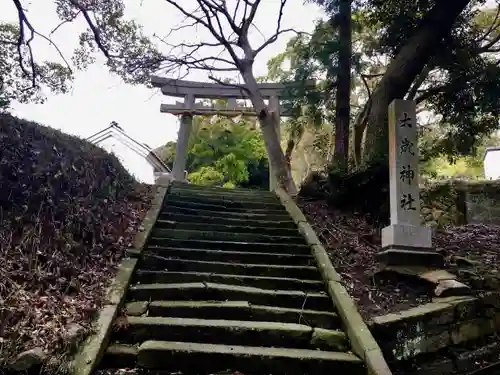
<point>160,263</point>
<point>219,190</point>
<point>227,202</point>
<point>203,226</point>
<point>268,216</point>
<point>221,292</point>
<point>274,210</point>
<point>186,234</point>
<point>283,283</point>
<point>252,196</point>
<point>231,245</point>
<point>232,256</point>
<point>258,223</point>
<point>231,332</point>
<point>194,359</point>
<point>119,356</point>
<point>242,310</point>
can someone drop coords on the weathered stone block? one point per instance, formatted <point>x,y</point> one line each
<point>467,309</point>
<point>471,330</point>
<point>428,316</point>
<point>136,308</point>
<point>421,342</point>
<point>406,236</point>
<point>482,206</point>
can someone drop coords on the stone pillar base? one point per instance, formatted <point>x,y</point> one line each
<point>393,255</point>
<point>408,245</point>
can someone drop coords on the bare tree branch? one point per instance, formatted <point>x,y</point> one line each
<point>418,82</point>
<point>93,27</point>
<point>65,22</point>
<point>278,31</point>
<point>273,39</point>
<point>493,26</point>
<point>23,21</point>
<point>229,84</point>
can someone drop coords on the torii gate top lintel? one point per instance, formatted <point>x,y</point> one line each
<point>209,90</point>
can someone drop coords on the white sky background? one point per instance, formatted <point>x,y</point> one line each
<point>97,97</point>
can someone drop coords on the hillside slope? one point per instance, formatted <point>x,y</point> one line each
<point>68,209</point>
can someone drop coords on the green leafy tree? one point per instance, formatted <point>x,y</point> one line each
<point>455,82</point>
<point>25,79</point>
<point>223,152</point>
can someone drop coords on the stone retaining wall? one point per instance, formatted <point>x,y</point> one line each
<point>458,202</point>
<point>434,326</point>
<point>483,203</point>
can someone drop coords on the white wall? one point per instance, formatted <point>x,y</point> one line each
<point>492,164</point>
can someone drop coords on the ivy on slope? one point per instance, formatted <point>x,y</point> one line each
<point>68,209</point>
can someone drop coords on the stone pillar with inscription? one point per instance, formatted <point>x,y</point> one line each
<point>405,242</point>
<point>181,147</point>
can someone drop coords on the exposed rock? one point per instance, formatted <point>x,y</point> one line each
<point>29,359</point>
<point>136,308</point>
<point>463,262</point>
<point>74,334</point>
<point>449,288</point>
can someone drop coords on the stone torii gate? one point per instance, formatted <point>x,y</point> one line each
<point>191,90</point>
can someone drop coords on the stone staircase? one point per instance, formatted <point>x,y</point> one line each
<point>226,281</point>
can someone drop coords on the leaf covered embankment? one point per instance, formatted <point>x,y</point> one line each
<point>68,210</point>
<point>352,241</point>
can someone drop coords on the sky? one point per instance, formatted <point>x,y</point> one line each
<point>98,97</point>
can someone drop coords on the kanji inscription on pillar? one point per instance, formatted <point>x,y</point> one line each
<point>403,163</point>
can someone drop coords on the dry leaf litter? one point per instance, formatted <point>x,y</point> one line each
<point>68,210</point>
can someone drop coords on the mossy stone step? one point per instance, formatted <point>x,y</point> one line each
<point>242,197</point>
<point>231,245</point>
<point>273,210</point>
<point>229,203</point>
<point>120,356</point>
<point>258,223</point>
<point>243,310</point>
<point>194,358</point>
<point>159,263</point>
<point>268,216</point>
<point>233,256</point>
<point>247,215</point>
<point>283,283</point>
<point>218,190</point>
<point>222,292</point>
<point>231,332</point>
<point>187,234</point>
<point>201,226</point>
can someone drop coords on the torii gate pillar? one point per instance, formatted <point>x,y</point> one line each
<point>181,147</point>
<point>274,106</point>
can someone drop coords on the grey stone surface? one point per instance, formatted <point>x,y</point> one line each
<point>28,359</point>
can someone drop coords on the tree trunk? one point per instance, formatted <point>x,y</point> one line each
<point>290,145</point>
<point>343,97</point>
<point>359,130</point>
<point>401,73</point>
<point>293,140</point>
<point>268,125</point>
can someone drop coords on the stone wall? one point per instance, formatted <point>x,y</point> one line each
<point>483,203</point>
<point>456,202</point>
<point>430,328</point>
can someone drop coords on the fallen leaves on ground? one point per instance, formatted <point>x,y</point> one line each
<point>352,243</point>
<point>68,210</point>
